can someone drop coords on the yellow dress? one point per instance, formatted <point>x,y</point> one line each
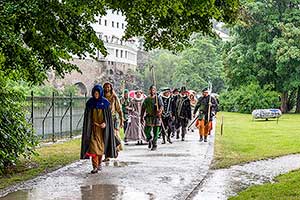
<point>97,138</point>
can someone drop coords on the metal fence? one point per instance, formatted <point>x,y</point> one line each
<point>56,117</point>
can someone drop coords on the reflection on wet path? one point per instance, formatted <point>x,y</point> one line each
<point>223,183</point>
<point>171,172</point>
<point>90,192</point>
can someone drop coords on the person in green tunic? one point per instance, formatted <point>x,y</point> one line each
<point>98,135</point>
<point>152,107</point>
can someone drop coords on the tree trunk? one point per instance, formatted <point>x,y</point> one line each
<point>284,102</point>
<point>298,101</point>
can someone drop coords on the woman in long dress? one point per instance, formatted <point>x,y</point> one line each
<point>135,129</point>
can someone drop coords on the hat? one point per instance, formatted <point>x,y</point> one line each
<point>125,91</point>
<point>183,89</point>
<point>165,89</point>
<point>205,90</point>
<point>175,90</point>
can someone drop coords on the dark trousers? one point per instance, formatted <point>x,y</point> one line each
<point>181,123</point>
<point>168,127</point>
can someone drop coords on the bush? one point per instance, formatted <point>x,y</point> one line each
<point>248,98</point>
<point>16,136</point>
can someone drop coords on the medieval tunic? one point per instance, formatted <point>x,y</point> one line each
<point>202,122</point>
<point>115,106</point>
<point>183,114</point>
<point>97,139</point>
<point>88,141</point>
<point>151,118</point>
<point>135,129</point>
<point>167,117</point>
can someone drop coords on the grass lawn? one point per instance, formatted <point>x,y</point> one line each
<point>245,140</point>
<point>286,187</point>
<point>48,159</point>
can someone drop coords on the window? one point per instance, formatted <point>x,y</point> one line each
<point>121,54</point>
<point>113,24</point>
<point>117,53</point>
<point>122,25</point>
<point>105,22</point>
<point>125,54</point>
<point>100,21</point>
<point>117,24</point>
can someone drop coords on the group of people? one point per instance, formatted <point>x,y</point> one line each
<point>144,119</point>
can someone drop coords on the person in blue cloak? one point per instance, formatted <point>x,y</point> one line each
<point>98,133</point>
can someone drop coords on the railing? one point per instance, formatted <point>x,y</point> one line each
<point>66,116</point>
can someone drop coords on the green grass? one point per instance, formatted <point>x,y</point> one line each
<point>245,140</point>
<point>286,187</point>
<point>49,159</point>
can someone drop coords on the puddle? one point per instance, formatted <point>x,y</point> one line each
<point>119,163</point>
<point>224,183</point>
<point>90,192</point>
<point>164,155</point>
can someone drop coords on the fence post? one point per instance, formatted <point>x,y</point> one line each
<point>32,109</point>
<point>71,118</point>
<point>53,119</point>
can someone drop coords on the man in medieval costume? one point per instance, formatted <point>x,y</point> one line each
<point>183,113</point>
<point>135,129</point>
<point>174,96</point>
<point>116,111</point>
<point>98,135</point>
<point>166,115</point>
<point>152,107</point>
<point>207,106</point>
<point>125,102</point>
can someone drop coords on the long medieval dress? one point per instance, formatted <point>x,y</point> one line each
<point>97,141</point>
<point>135,129</point>
<point>116,111</point>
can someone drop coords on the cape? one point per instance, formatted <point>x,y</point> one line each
<point>110,142</point>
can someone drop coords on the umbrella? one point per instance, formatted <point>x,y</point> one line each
<point>132,94</point>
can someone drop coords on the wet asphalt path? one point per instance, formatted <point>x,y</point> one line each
<point>171,172</point>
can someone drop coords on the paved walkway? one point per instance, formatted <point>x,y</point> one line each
<point>171,172</point>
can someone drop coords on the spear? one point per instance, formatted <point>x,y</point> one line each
<point>209,102</point>
<point>156,99</point>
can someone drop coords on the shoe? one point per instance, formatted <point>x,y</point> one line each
<point>154,146</point>
<point>177,136</point>
<point>164,142</point>
<point>205,139</point>
<point>182,139</point>
<point>201,139</point>
<point>169,140</point>
<point>94,171</point>
<point>149,144</point>
<point>99,168</point>
<point>105,160</point>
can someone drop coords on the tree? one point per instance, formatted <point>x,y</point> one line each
<point>194,67</point>
<point>164,63</point>
<point>40,35</point>
<point>201,64</point>
<point>264,48</point>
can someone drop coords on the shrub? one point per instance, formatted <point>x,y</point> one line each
<point>16,136</point>
<point>247,98</point>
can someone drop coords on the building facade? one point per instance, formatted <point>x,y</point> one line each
<point>122,55</point>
